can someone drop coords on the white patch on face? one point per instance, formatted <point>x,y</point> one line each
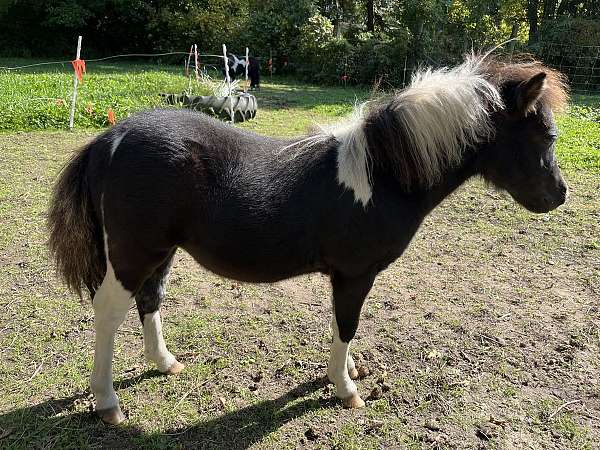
<point>155,348</point>
<point>111,304</point>
<point>337,369</point>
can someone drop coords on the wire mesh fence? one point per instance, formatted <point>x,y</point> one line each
<point>580,63</point>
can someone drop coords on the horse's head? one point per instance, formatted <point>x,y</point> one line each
<point>521,158</point>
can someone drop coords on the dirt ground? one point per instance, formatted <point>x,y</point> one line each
<point>485,334</point>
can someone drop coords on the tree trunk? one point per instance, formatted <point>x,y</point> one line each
<point>566,7</point>
<point>514,32</point>
<point>532,18</point>
<point>370,5</point>
<point>337,30</point>
<point>549,9</point>
<point>548,13</point>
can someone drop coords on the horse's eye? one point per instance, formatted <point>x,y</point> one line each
<point>551,138</point>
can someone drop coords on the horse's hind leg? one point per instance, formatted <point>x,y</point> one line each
<point>148,300</point>
<point>126,269</point>
<point>111,304</point>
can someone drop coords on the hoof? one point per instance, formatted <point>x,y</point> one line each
<point>353,374</point>
<point>175,368</point>
<point>354,402</point>
<point>111,416</point>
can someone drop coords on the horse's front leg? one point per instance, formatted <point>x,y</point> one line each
<point>348,296</point>
<point>352,370</point>
<point>350,364</point>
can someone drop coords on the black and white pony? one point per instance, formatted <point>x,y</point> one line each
<point>345,201</point>
<point>237,68</point>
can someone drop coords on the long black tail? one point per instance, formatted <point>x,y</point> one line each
<point>76,241</point>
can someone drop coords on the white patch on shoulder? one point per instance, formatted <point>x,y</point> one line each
<point>353,155</point>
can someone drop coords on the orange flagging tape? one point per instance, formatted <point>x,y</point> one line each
<point>79,68</point>
<point>111,116</point>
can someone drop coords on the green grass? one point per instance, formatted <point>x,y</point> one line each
<point>464,328</point>
<point>579,145</point>
<point>39,98</point>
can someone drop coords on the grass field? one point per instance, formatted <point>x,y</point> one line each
<point>40,97</point>
<point>485,334</point>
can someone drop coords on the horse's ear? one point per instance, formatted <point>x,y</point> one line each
<point>529,92</point>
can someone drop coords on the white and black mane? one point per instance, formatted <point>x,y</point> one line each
<point>420,132</point>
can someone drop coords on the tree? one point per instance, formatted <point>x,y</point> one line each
<point>370,10</point>
<point>532,18</point>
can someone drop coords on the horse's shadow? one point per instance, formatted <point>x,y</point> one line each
<point>60,423</point>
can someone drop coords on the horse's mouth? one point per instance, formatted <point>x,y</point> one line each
<point>544,206</point>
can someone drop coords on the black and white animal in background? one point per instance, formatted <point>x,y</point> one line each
<point>237,69</point>
<point>344,202</point>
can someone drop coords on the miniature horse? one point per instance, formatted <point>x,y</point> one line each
<point>345,201</point>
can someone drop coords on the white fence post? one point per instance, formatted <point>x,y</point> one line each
<point>225,59</point>
<point>247,64</point>
<point>75,83</point>
<point>196,63</point>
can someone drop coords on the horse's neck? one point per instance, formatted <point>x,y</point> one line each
<point>451,180</point>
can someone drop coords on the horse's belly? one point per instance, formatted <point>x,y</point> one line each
<point>251,263</point>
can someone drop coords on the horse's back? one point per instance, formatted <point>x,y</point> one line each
<point>182,179</point>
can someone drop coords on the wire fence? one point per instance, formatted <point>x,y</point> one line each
<point>43,98</point>
<point>580,63</point>
<point>127,55</point>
